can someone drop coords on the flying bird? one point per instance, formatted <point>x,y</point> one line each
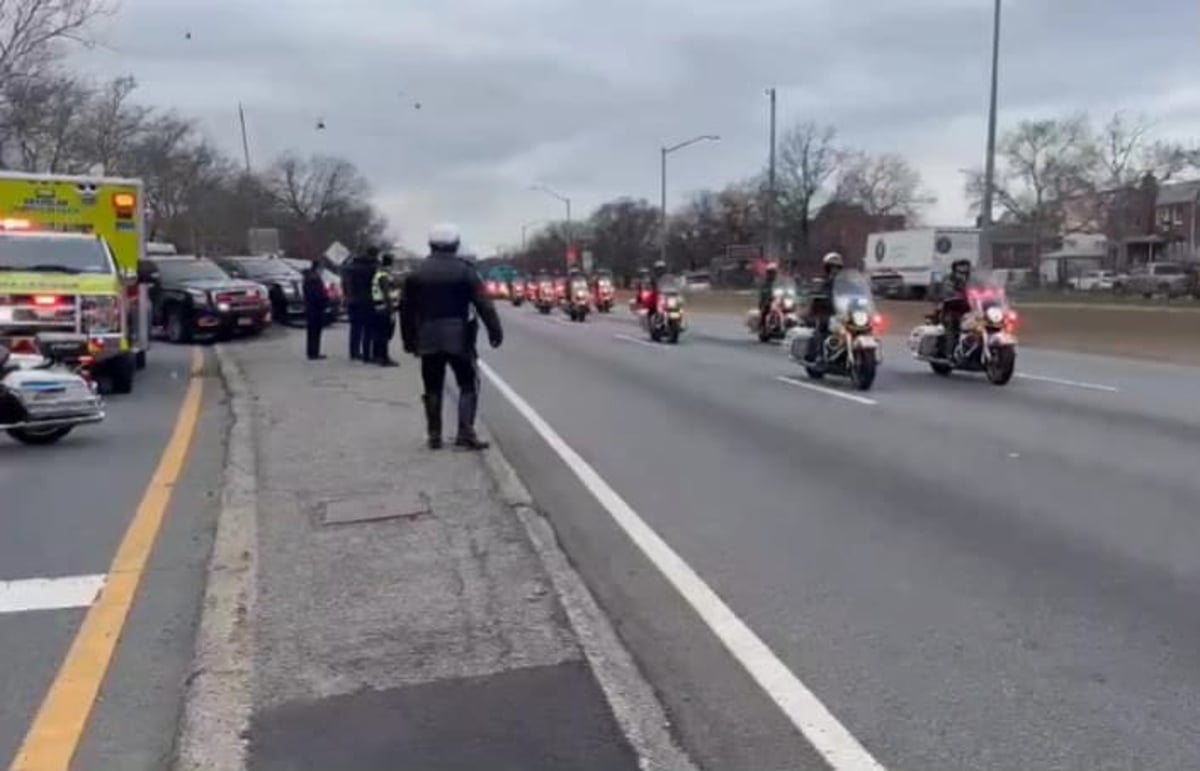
<point>320,124</point>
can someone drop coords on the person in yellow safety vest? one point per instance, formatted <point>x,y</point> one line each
<point>383,314</point>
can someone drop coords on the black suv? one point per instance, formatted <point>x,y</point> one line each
<point>282,281</point>
<point>192,297</point>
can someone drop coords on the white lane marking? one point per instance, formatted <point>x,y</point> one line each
<point>49,593</point>
<point>1071,383</point>
<point>841,750</point>
<point>827,391</point>
<point>639,341</point>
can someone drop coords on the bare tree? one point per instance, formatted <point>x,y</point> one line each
<point>113,125</point>
<point>1044,164</point>
<point>40,123</point>
<point>315,188</point>
<point>882,185</point>
<point>808,160</point>
<point>31,31</point>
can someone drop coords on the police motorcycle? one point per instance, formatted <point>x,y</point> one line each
<point>986,341</point>
<point>42,397</point>
<point>577,300</point>
<point>851,348</point>
<point>517,291</point>
<point>781,315</point>
<point>545,299</point>
<point>604,295</point>
<point>665,321</point>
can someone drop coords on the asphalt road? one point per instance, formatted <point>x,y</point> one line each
<point>63,511</point>
<point>968,577</point>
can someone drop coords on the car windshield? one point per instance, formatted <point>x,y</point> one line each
<point>266,268</point>
<point>53,255</point>
<point>190,270</point>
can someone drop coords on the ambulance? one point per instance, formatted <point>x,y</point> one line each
<point>70,247</point>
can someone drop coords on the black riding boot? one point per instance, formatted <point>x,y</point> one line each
<point>433,420</point>
<point>468,404</point>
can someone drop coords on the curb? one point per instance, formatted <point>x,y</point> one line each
<point>218,698</point>
<point>634,704</point>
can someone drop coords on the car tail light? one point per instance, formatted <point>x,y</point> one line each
<point>47,300</point>
<point>23,345</point>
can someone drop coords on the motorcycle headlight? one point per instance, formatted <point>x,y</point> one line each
<point>672,303</point>
<point>994,314</point>
<point>860,319</point>
<point>789,304</point>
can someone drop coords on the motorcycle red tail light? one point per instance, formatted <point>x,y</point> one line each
<point>878,323</point>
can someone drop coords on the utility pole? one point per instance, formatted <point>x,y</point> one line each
<point>989,174</point>
<point>771,190</point>
<point>665,151</point>
<point>249,169</point>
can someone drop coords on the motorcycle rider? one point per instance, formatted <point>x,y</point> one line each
<point>766,292</point>
<point>657,271</point>
<point>820,309</point>
<point>953,305</point>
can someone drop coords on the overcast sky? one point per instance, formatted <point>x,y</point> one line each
<point>580,94</point>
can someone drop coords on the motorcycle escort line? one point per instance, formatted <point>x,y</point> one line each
<point>781,315</point>
<point>576,303</point>
<point>41,399</point>
<point>851,349</point>
<point>666,320</point>
<point>517,292</point>
<point>986,341</point>
<point>545,300</point>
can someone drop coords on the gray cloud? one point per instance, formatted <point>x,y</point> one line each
<point>579,95</point>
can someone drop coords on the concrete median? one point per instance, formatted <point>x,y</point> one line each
<point>396,607</point>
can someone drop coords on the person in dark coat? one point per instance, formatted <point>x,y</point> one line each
<point>357,278</point>
<point>436,324</point>
<point>316,303</point>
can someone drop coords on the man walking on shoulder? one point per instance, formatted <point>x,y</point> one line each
<point>435,324</point>
<point>357,277</point>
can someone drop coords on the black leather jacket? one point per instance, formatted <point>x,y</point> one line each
<point>435,314</point>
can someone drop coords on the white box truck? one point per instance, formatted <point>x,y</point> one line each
<point>910,264</point>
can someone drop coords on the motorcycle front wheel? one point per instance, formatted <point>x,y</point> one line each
<point>1001,366</point>
<point>864,370</point>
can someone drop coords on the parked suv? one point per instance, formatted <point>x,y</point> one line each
<point>192,297</point>
<point>1166,278</point>
<point>283,283</point>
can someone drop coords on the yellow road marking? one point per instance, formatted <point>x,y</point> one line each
<point>58,726</point>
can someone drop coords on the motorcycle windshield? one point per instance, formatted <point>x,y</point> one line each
<point>669,284</point>
<point>985,290</point>
<point>852,293</point>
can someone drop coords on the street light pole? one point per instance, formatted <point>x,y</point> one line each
<point>567,201</point>
<point>989,174</point>
<point>665,151</point>
<point>770,212</point>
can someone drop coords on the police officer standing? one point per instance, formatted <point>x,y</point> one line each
<point>436,324</point>
<point>356,278</point>
<point>383,314</point>
<point>316,303</point>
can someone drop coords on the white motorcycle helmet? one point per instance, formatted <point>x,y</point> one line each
<point>833,260</point>
<point>444,237</point>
